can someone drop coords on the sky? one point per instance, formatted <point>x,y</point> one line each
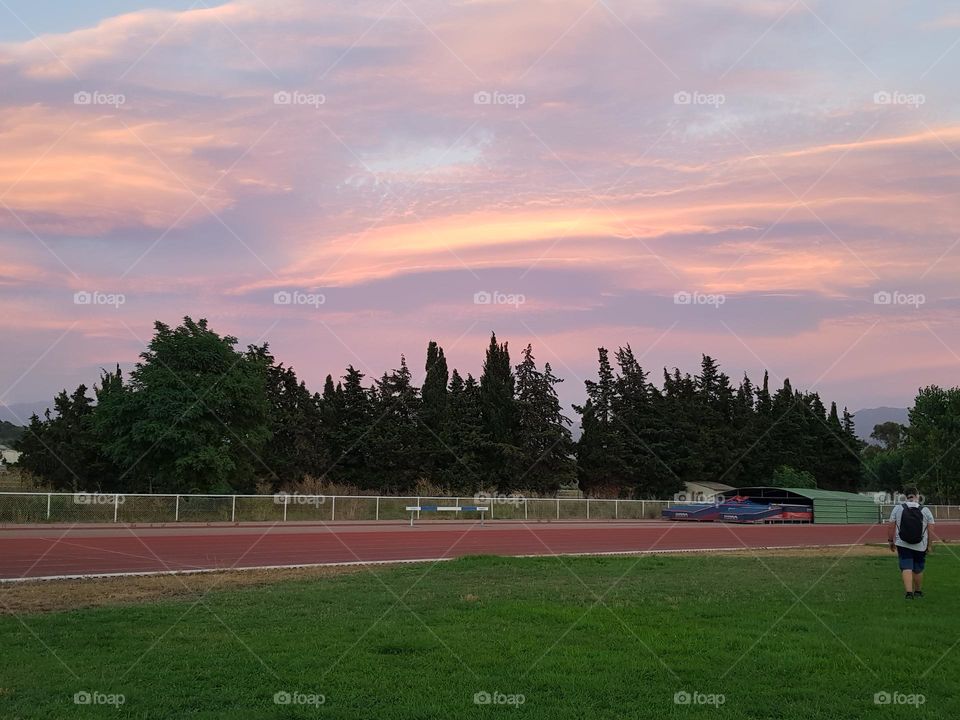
<point>771,182</point>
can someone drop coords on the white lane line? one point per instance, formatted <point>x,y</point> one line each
<point>664,551</point>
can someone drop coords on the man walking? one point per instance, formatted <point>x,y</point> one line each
<point>910,534</point>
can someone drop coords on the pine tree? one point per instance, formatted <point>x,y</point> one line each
<point>395,445</point>
<point>712,410</point>
<point>293,451</point>
<point>63,448</point>
<point>463,438</point>
<point>598,464</point>
<point>351,436</point>
<point>543,434</point>
<point>638,427</point>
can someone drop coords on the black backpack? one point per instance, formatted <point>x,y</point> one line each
<point>911,524</point>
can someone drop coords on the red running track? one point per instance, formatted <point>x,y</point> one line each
<point>57,552</point>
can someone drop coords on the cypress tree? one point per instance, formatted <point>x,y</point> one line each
<point>497,396</point>
<point>434,390</point>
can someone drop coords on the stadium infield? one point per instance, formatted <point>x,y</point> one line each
<point>75,551</point>
<point>783,635</point>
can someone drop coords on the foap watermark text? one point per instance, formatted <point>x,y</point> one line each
<point>698,298</point>
<point>95,297</point>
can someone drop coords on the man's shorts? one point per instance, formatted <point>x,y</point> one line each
<point>912,559</point>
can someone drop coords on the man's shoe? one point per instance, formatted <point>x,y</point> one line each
<point>909,596</point>
<point>918,593</point>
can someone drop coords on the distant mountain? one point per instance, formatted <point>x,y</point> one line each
<point>9,433</point>
<point>19,413</point>
<point>866,420</point>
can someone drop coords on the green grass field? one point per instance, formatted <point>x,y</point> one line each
<point>775,636</point>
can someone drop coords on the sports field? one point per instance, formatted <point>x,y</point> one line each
<point>797,634</point>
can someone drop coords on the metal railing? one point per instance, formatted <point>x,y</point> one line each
<point>54,507</point>
<point>940,512</point>
<point>58,507</point>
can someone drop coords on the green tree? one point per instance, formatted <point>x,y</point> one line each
<point>598,463</point>
<point>638,424</point>
<point>396,442</point>
<point>434,411</point>
<point>789,477</point>
<point>890,435</point>
<point>932,449</point>
<point>63,448</point>
<point>498,403</point>
<point>543,432</point>
<point>463,437</point>
<point>294,449</point>
<point>434,392</point>
<point>194,416</point>
<point>350,408</point>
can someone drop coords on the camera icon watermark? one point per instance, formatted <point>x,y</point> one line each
<point>694,97</point>
<point>85,97</point>
<point>898,698</point>
<point>297,97</point>
<point>895,297</point>
<point>297,297</point>
<point>295,697</point>
<point>95,297</point>
<point>95,697</point>
<point>895,97</point>
<point>495,97</point>
<point>683,697</point>
<point>698,298</point>
<point>496,297</point>
<point>498,698</point>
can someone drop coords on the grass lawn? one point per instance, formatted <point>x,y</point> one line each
<point>776,637</point>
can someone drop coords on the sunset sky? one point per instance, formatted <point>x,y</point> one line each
<point>753,179</point>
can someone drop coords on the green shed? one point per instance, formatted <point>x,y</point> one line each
<point>829,506</point>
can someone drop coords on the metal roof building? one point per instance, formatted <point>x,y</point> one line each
<point>829,506</point>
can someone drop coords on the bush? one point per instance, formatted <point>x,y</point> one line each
<point>786,476</point>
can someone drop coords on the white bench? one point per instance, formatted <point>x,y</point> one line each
<point>415,509</point>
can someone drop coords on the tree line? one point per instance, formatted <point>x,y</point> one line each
<point>925,453</point>
<point>703,429</point>
<point>198,414</point>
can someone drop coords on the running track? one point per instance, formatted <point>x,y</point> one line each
<point>48,552</point>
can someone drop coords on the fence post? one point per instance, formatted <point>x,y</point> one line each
<point>49,496</point>
<point>176,514</point>
<point>491,504</point>
<point>418,512</point>
<point>333,509</point>
<point>286,499</point>
<point>524,508</point>
<point>377,517</point>
<point>588,508</point>
<point>558,508</point>
<point>616,509</point>
<point>116,506</point>
<point>233,512</point>
<point>643,509</point>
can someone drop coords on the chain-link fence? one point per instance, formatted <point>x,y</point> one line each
<point>25,508</point>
